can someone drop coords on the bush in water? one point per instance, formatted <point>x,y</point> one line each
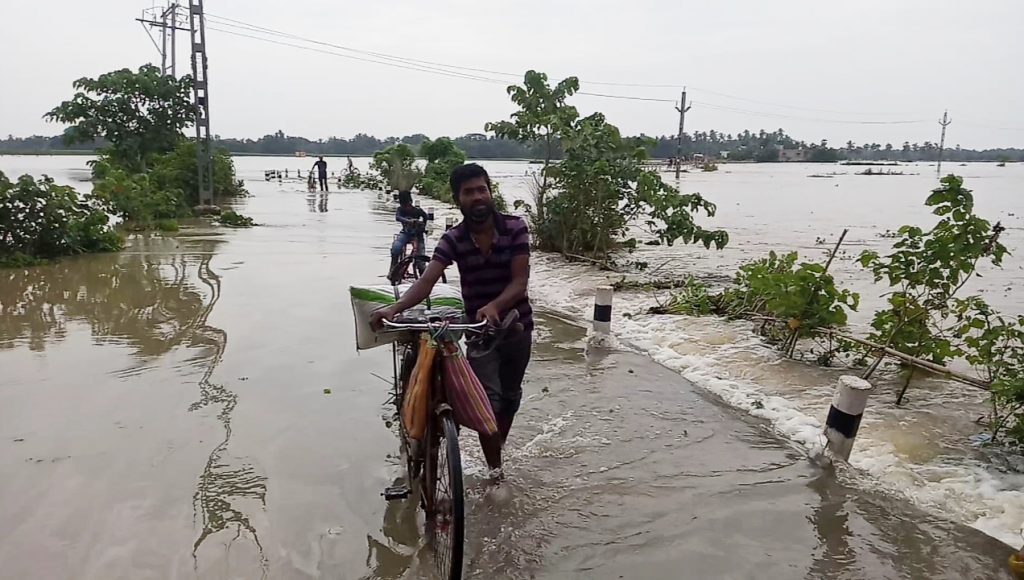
<point>168,190</point>
<point>135,198</point>
<point>926,269</point>
<point>40,220</point>
<point>177,170</point>
<point>397,166</point>
<point>235,219</point>
<point>804,295</point>
<point>442,157</point>
<point>994,345</point>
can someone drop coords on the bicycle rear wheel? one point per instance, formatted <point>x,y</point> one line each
<point>446,504</point>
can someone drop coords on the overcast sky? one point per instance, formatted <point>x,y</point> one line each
<point>870,60</point>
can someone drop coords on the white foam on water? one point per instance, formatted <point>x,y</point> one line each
<point>957,488</point>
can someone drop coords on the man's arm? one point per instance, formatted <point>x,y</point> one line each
<point>421,288</point>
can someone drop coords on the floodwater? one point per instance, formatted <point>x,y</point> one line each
<point>163,414</point>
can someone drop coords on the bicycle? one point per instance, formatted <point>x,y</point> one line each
<point>435,465</point>
<point>412,263</point>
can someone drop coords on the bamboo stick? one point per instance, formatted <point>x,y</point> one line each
<point>929,366</point>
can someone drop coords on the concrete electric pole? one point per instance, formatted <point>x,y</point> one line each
<point>942,141</point>
<point>682,108</point>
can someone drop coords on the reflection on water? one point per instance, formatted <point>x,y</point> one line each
<point>226,482</point>
<point>128,298</point>
<point>317,203</point>
<point>391,559</point>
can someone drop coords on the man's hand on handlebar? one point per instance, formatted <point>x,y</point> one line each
<point>377,317</point>
<point>490,314</point>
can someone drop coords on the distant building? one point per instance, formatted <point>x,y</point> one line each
<point>799,154</point>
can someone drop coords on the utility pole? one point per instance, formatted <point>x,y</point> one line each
<point>166,19</point>
<point>200,91</point>
<point>174,45</point>
<point>682,108</point>
<point>942,141</point>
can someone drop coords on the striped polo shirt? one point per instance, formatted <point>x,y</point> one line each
<point>484,278</point>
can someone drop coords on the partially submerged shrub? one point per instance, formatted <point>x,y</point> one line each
<point>40,220</point>
<point>235,219</point>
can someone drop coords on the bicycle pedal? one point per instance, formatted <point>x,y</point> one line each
<point>396,492</point>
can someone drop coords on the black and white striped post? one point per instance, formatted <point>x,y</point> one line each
<point>449,223</point>
<point>430,213</point>
<point>845,413</point>
<point>603,311</point>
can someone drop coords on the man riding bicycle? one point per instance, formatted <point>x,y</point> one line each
<point>413,220</point>
<point>492,251</point>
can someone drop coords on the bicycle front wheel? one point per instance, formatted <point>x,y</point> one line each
<point>446,508</point>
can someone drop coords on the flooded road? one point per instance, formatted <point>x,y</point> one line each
<point>163,415</point>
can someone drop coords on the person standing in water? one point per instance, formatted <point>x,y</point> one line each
<point>321,171</point>
<point>492,253</point>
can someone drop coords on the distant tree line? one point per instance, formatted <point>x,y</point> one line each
<point>762,146</point>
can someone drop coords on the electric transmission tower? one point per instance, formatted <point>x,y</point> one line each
<point>201,93</point>
<point>170,19</point>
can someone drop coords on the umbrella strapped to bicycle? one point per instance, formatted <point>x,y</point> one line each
<point>434,392</point>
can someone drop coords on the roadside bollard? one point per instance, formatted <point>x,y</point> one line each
<point>845,413</point>
<point>286,172</point>
<point>449,223</point>
<point>603,310</point>
<point>430,214</point>
<point>280,176</point>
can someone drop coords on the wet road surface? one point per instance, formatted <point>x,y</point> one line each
<point>163,415</point>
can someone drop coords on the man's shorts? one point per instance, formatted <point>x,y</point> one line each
<point>501,372</point>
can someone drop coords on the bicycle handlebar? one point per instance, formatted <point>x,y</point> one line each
<point>478,327</point>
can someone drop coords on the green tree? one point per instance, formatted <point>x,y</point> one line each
<point>602,189</point>
<point>442,156</point>
<point>397,165</point>
<point>543,116</point>
<point>138,113</point>
<point>926,270</point>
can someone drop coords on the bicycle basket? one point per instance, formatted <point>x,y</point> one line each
<point>445,300</point>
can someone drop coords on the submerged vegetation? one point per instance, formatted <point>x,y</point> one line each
<point>926,321</point>
<point>40,220</point>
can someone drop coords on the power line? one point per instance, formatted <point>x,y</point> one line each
<point>817,120</point>
<point>414,67</point>
<point>477,74</point>
<point>348,56</point>
<point>793,107</point>
<point>408,61</point>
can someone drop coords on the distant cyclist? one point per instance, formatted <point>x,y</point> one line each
<point>413,220</point>
<point>321,173</point>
